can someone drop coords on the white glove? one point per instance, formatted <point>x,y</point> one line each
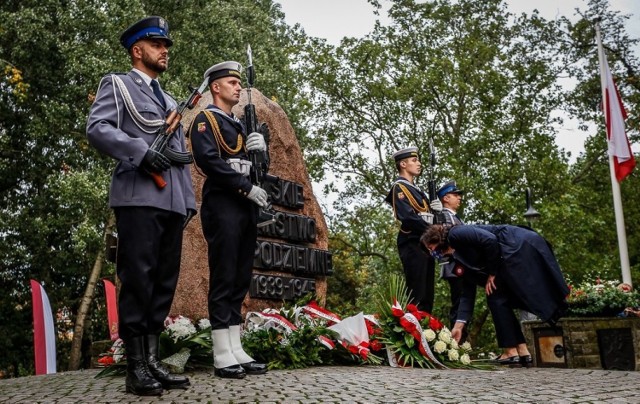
<point>258,196</point>
<point>255,142</point>
<point>436,205</point>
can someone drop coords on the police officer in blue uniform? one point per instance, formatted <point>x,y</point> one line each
<point>230,205</point>
<point>411,207</point>
<point>125,117</point>
<point>450,196</point>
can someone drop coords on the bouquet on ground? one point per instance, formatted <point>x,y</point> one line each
<point>416,338</point>
<point>307,335</point>
<point>286,339</point>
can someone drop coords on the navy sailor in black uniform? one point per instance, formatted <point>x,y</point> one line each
<point>411,207</point>
<point>229,214</point>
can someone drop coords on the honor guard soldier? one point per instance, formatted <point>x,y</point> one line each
<point>124,120</point>
<point>229,215</point>
<point>451,197</point>
<point>411,207</point>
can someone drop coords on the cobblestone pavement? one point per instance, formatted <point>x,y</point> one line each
<point>366,384</point>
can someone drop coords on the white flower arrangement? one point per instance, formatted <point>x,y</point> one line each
<point>180,328</point>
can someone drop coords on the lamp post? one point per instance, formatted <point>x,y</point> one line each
<point>531,215</point>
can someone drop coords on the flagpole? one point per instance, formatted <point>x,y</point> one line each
<point>615,185</point>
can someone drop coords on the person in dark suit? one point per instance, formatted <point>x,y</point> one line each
<point>451,197</point>
<point>519,270</point>
<point>229,215</point>
<point>411,207</point>
<point>124,119</point>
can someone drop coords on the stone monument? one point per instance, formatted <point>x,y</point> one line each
<point>291,256</point>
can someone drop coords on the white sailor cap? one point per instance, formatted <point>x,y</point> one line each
<point>223,69</point>
<point>405,153</point>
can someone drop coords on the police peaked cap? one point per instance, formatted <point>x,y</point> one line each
<point>224,69</point>
<point>405,153</point>
<point>147,28</point>
<point>448,188</point>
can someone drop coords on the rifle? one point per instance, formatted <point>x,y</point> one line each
<point>259,159</point>
<point>170,125</point>
<point>438,217</point>
<point>431,183</point>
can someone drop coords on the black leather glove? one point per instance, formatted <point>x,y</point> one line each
<point>190,214</point>
<point>156,161</point>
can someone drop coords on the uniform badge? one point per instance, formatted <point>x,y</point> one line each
<point>400,195</point>
<point>202,127</point>
<point>458,270</point>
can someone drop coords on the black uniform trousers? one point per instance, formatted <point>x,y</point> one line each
<point>229,226</point>
<point>501,305</point>
<point>419,273</point>
<point>148,265</point>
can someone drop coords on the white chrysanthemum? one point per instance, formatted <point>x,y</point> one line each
<point>444,337</point>
<point>204,323</point>
<point>181,328</point>
<point>429,334</point>
<point>453,344</point>
<point>440,346</point>
<point>465,360</point>
<point>466,347</point>
<point>453,355</point>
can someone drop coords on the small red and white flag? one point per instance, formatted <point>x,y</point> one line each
<point>44,337</point>
<point>112,308</point>
<point>615,115</point>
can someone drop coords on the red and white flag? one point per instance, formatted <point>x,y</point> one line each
<point>44,337</point>
<point>112,308</point>
<point>615,115</point>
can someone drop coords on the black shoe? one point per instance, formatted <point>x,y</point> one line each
<point>510,361</point>
<point>159,371</point>
<point>230,372</point>
<point>526,361</point>
<point>139,380</point>
<point>254,368</point>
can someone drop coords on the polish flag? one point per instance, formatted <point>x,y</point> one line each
<point>44,339</point>
<point>615,115</point>
<point>112,308</point>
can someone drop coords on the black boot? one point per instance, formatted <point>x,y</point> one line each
<point>139,380</point>
<point>159,371</point>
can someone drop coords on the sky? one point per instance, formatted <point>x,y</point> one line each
<point>335,19</point>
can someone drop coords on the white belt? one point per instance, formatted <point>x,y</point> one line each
<point>240,166</point>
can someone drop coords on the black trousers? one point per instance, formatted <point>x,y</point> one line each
<point>502,305</point>
<point>229,226</point>
<point>148,265</point>
<point>419,273</point>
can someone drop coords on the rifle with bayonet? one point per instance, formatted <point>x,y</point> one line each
<point>259,159</point>
<point>170,125</point>
<point>431,183</point>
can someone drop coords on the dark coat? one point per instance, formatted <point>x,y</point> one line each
<point>522,261</point>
